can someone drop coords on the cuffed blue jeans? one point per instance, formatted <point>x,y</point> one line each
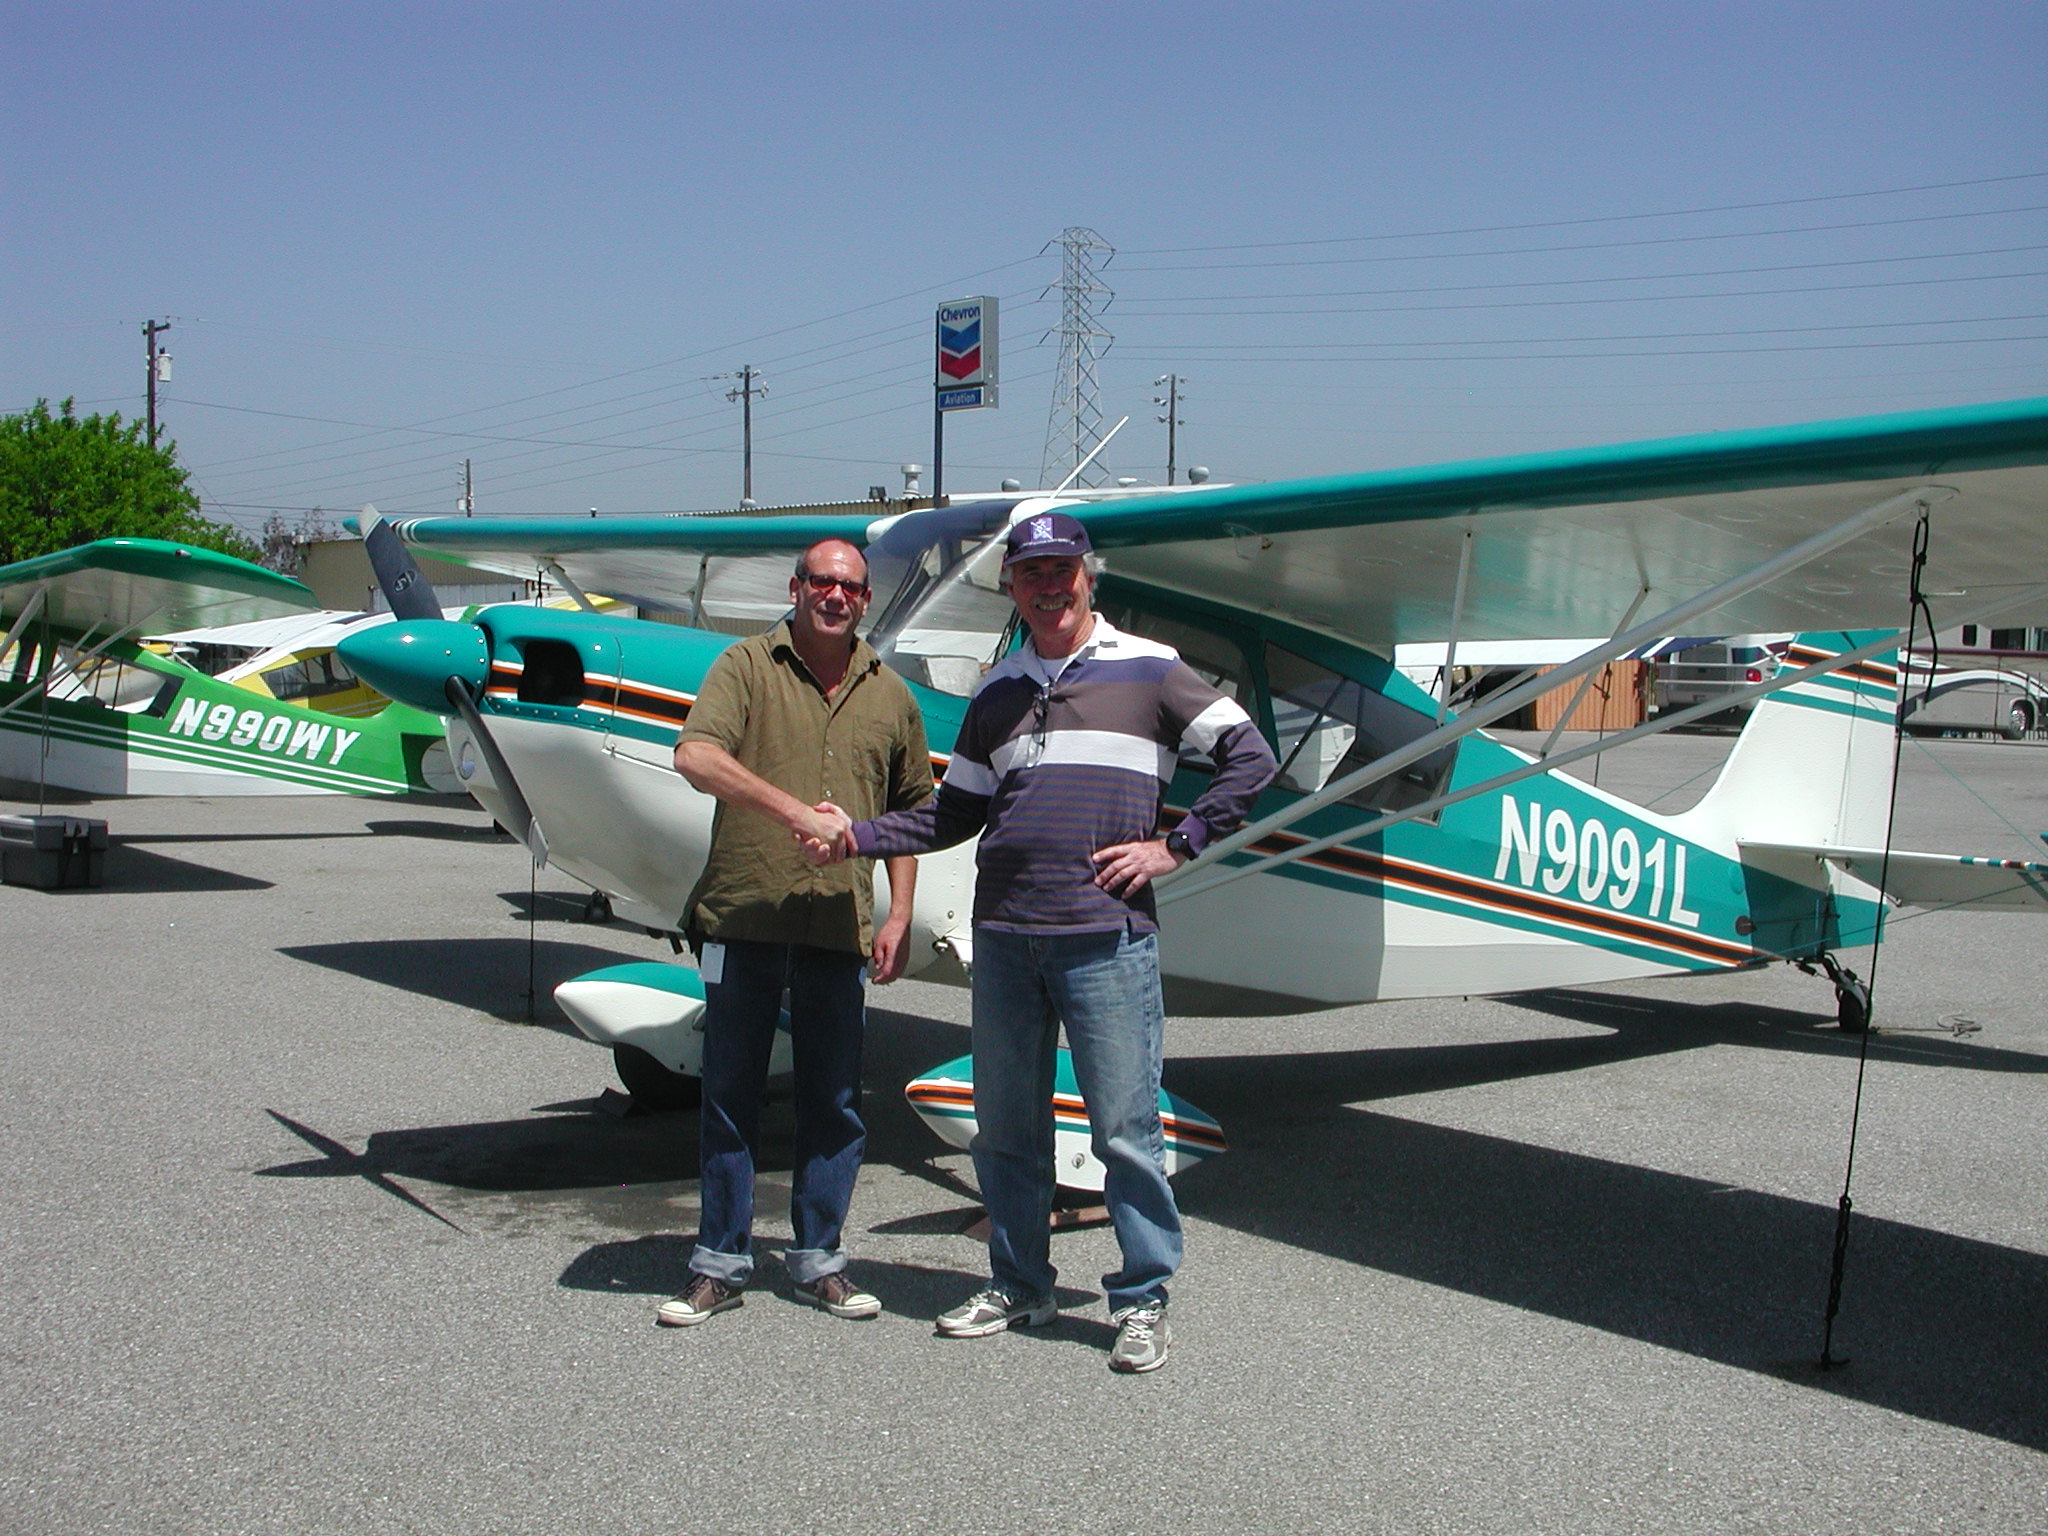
<point>1105,988</point>
<point>826,1023</point>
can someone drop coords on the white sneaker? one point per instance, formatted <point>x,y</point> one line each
<point>1141,1339</point>
<point>993,1310</point>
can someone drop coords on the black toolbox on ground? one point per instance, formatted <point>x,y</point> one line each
<point>52,852</point>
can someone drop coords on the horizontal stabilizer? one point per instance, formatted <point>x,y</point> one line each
<point>1934,879</point>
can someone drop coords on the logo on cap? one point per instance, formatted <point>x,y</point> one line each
<point>1049,533</point>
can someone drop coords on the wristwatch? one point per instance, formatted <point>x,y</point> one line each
<point>1177,844</point>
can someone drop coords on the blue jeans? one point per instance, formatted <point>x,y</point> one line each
<point>1105,988</point>
<point>826,1023</point>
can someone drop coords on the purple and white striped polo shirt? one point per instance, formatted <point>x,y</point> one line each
<point>1051,766</point>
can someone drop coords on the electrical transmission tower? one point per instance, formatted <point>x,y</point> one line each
<point>1073,429</point>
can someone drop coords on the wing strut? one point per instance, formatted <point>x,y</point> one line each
<point>57,668</point>
<point>1175,887</point>
<point>1443,689</point>
<point>1586,682</point>
<point>562,580</point>
<point>697,592</point>
<point>29,610</point>
<point>1671,622</point>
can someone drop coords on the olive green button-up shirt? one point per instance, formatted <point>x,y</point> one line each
<point>862,749</point>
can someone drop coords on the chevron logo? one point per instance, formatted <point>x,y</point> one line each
<point>960,350</point>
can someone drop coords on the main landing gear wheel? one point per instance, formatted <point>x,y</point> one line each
<point>2019,719</point>
<point>1852,996</point>
<point>1852,1004</point>
<point>652,1084</point>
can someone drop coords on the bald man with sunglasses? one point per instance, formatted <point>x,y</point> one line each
<point>803,714</point>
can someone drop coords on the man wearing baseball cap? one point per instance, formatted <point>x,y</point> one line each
<point>1062,765</point>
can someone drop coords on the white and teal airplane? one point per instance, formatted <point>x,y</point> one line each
<point>1402,852</point>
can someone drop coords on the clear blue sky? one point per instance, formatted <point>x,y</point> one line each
<point>392,237</point>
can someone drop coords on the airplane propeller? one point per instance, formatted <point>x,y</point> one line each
<point>433,664</point>
<point>409,593</point>
<point>522,823</point>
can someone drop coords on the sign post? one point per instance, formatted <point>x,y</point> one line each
<point>963,372</point>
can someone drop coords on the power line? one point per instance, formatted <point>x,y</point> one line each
<point>1523,357</point>
<point>1540,341</point>
<point>898,332</point>
<point>1145,312</point>
<point>1612,218</point>
<point>1595,245</point>
<point>1577,282</point>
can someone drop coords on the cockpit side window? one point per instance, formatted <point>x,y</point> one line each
<point>1328,725</point>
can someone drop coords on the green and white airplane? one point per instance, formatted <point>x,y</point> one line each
<point>1402,852</point>
<point>87,704</point>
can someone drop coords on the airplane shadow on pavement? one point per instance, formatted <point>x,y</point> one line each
<point>1942,1327</point>
<point>138,871</point>
<point>488,975</point>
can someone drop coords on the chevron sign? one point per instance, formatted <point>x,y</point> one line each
<point>966,371</point>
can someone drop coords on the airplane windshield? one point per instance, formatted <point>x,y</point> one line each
<point>940,617</point>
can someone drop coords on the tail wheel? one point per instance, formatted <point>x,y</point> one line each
<point>652,1084</point>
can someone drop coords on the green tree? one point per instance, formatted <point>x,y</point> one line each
<point>67,479</point>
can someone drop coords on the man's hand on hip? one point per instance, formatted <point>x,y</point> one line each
<point>1128,868</point>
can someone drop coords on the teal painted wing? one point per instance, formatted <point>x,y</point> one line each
<point>1564,542</point>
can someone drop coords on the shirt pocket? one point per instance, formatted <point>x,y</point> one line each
<point>864,753</point>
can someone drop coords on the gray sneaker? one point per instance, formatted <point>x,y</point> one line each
<point>703,1297</point>
<point>1141,1339</point>
<point>993,1310</point>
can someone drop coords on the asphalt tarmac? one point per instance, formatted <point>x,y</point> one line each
<point>307,1229</point>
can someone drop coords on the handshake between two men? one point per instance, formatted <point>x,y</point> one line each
<point>1123,869</point>
<point>829,837</point>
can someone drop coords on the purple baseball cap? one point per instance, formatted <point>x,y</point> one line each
<point>1048,533</point>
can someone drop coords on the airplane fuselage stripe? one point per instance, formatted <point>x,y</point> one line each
<point>671,707</point>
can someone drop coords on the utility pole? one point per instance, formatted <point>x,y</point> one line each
<point>158,367</point>
<point>468,505</point>
<point>1171,400</point>
<point>748,388</point>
